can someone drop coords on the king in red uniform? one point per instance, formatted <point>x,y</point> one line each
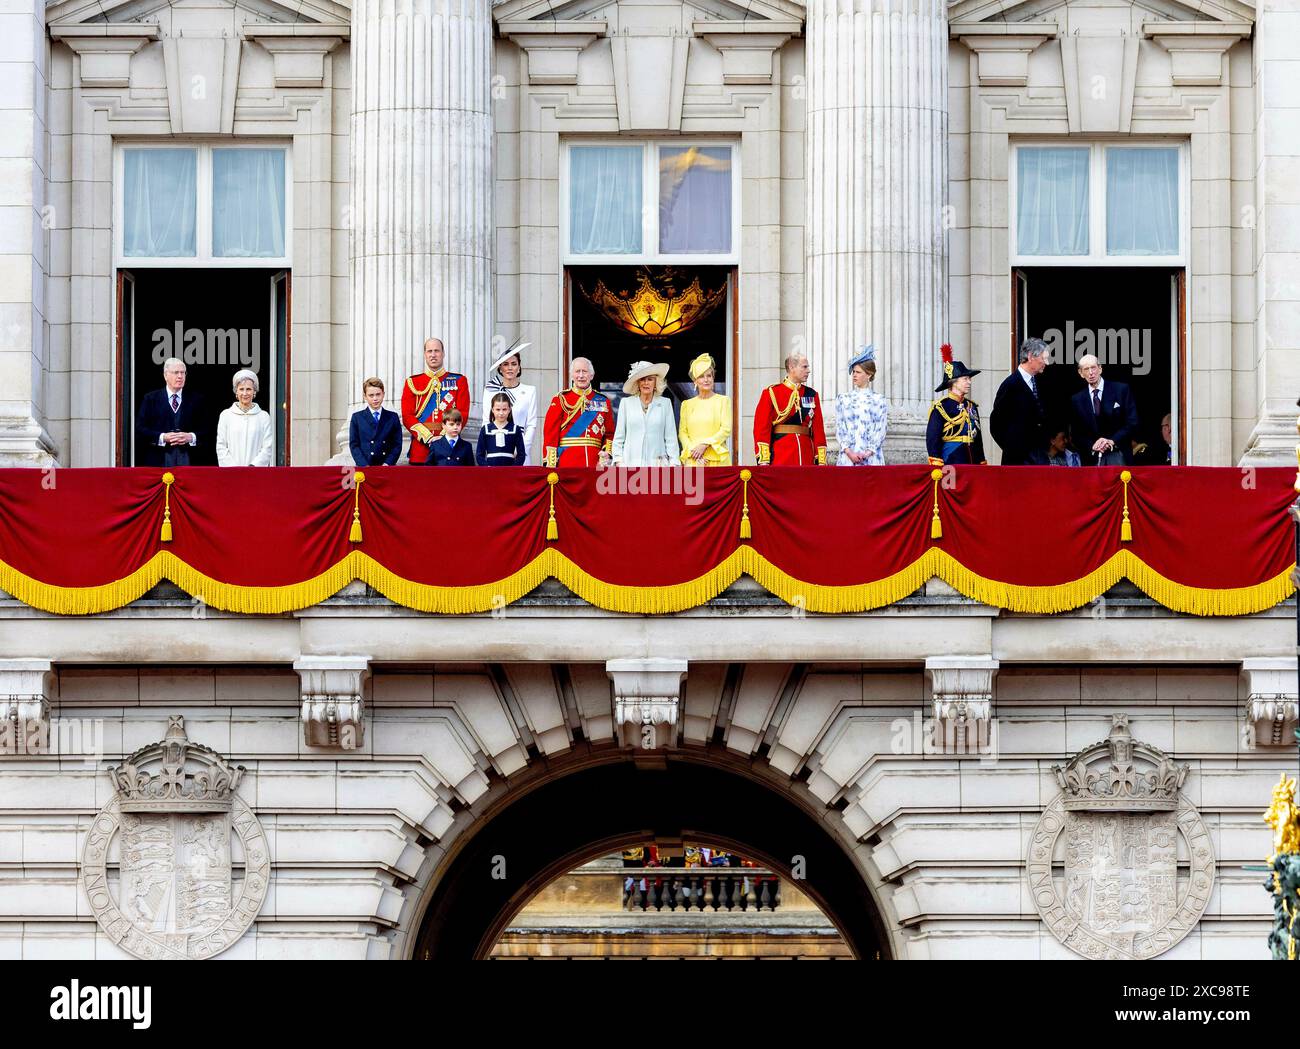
<point>788,427</point>
<point>427,395</point>
<point>579,427</point>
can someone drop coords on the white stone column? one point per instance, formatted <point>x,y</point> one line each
<point>23,237</point>
<point>1277,230</point>
<point>422,231</point>
<point>876,182</point>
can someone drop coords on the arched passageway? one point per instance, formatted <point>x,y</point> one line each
<point>525,842</point>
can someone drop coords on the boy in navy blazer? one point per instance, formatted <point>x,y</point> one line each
<point>375,433</point>
<point>450,449</point>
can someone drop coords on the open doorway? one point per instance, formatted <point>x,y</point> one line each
<point>1132,320</point>
<point>217,321</point>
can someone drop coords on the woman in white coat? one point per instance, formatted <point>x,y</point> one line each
<point>503,377</point>
<point>244,431</point>
<point>647,432</point>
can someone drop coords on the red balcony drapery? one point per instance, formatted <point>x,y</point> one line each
<point>1208,541</point>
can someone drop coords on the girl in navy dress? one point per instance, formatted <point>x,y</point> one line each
<point>500,442</point>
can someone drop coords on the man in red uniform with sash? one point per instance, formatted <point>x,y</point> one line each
<point>788,427</point>
<point>427,395</point>
<point>579,428</point>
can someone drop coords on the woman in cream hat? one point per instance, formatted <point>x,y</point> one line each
<point>503,377</point>
<point>645,435</point>
<point>706,419</point>
<point>244,430</point>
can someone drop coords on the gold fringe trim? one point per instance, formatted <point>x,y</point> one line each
<point>646,600</point>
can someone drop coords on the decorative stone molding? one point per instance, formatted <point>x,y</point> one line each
<point>213,64</point>
<point>1100,75</point>
<point>105,49</point>
<point>1197,48</point>
<point>333,689</point>
<point>746,47</point>
<point>647,700</point>
<point>297,49</point>
<point>1271,704</point>
<point>1119,894</point>
<point>649,77</point>
<point>1002,49</point>
<point>553,47</point>
<point>176,894</point>
<point>962,691</point>
<point>26,686</point>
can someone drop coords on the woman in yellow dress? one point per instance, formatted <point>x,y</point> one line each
<point>706,419</point>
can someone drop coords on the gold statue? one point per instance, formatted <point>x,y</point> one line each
<point>1284,818</point>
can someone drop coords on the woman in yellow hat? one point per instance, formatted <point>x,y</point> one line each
<point>706,419</point>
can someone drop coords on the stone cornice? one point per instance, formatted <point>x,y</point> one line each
<point>298,49</point>
<point>1002,49</point>
<point>747,47</point>
<point>105,49</point>
<point>1197,48</point>
<point>553,47</point>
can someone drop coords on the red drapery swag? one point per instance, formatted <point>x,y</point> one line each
<point>1207,541</point>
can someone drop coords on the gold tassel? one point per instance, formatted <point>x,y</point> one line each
<point>746,532</point>
<point>936,526</point>
<point>167,480</point>
<point>354,534</point>
<point>1126,528</point>
<point>552,529</point>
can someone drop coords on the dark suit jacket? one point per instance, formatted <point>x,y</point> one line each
<point>1018,423</point>
<point>375,444</point>
<point>441,453</point>
<point>157,418</point>
<point>1118,420</point>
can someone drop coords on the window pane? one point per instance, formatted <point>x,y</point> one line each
<point>1141,201</point>
<point>159,198</point>
<point>248,203</point>
<point>1052,201</point>
<point>605,200</point>
<point>695,199</point>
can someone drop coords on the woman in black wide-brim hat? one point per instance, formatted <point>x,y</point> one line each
<point>953,434</point>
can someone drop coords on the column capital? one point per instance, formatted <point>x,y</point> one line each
<point>647,700</point>
<point>333,690</point>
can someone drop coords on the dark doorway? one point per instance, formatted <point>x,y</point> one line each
<point>217,321</point>
<point>1127,317</point>
<point>522,847</point>
<point>613,348</point>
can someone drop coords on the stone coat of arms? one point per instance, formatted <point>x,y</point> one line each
<point>176,894</point>
<point>1119,885</point>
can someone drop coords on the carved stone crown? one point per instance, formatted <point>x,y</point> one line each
<point>172,789</point>
<point>1106,776</point>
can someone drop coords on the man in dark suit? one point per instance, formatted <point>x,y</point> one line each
<point>1105,417</point>
<point>375,433</point>
<point>1019,420</point>
<point>170,429</point>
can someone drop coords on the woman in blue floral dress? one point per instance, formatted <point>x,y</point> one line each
<point>861,415</point>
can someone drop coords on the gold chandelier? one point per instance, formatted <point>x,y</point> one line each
<point>655,312</point>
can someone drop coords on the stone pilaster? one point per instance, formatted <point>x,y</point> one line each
<point>421,211</point>
<point>24,156</point>
<point>877,174</point>
<point>1277,230</point>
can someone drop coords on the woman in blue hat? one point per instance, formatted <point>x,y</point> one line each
<point>861,415</point>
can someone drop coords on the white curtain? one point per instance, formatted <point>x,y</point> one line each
<point>605,200</point>
<point>1052,201</point>
<point>248,203</point>
<point>1141,201</point>
<point>694,199</point>
<point>159,198</point>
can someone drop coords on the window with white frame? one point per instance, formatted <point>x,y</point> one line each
<point>650,202</point>
<point>210,205</point>
<point>1098,203</point>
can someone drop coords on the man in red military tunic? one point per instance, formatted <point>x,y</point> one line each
<point>427,395</point>
<point>579,427</point>
<point>788,427</point>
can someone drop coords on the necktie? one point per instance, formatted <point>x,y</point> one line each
<point>176,403</point>
<point>376,416</point>
<point>1033,386</point>
<point>1096,402</point>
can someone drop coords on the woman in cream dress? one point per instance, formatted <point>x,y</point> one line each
<point>503,377</point>
<point>706,419</point>
<point>244,430</point>
<point>646,434</point>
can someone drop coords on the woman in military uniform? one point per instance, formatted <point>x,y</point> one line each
<point>953,433</point>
